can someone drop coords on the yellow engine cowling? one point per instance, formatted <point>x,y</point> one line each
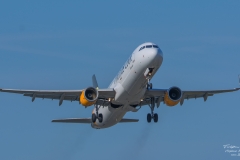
<point>88,97</point>
<point>173,96</point>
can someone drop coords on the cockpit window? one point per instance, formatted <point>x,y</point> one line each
<point>141,48</point>
<point>148,46</point>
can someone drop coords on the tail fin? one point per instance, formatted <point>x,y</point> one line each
<point>94,81</point>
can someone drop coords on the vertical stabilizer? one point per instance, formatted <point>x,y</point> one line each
<point>94,81</point>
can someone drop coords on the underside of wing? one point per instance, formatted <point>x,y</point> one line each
<point>203,94</point>
<point>61,95</point>
<point>50,94</point>
<point>159,95</point>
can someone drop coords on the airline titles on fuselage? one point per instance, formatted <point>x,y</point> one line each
<point>127,65</point>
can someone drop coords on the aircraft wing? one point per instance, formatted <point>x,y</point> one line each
<point>71,95</point>
<point>159,94</point>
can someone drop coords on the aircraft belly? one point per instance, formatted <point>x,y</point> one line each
<point>130,96</point>
<point>111,116</point>
<point>115,117</point>
<point>121,96</point>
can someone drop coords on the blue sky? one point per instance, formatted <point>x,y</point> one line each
<point>60,45</point>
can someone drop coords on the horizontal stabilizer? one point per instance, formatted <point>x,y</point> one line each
<point>128,120</point>
<point>87,120</point>
<point>73,120</point>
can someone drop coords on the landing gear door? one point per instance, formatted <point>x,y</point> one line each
<point>148,73</point>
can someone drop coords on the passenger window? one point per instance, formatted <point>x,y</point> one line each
<point>149,46</point>
<point>155,46</point>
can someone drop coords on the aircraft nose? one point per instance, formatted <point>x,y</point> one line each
<point>160,53</point>
<point>155,55</point>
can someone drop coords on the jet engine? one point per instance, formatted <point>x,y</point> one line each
<point>88,96</point>
<point>172,96</point>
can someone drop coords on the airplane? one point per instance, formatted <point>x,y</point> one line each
<point>129,91</point>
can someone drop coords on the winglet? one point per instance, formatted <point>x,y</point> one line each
<point>94,81</point>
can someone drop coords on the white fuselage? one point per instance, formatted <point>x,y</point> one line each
<point>130,84</point>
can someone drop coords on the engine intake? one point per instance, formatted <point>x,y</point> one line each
<point>88,96</point>
<point>173,96</point>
